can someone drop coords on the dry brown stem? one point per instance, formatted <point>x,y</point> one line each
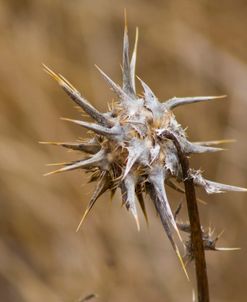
<point>196,233</point>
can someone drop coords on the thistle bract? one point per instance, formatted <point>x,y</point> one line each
<point>129,152</point>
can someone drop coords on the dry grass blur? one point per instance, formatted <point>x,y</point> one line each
<point>186,48</point>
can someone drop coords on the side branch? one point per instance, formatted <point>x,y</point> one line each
<point>196,233</point>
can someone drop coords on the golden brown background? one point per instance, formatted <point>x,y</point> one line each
<point>186,48</point>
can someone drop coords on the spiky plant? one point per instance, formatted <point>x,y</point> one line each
<point>129,151</point>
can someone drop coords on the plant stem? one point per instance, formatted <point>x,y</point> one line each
<point>196,233</point>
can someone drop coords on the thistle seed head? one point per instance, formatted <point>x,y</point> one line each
<point>209,242</point>
<point>128,150</point>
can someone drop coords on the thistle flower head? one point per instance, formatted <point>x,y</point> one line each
<point>129,151</point>
<point>209,239</point>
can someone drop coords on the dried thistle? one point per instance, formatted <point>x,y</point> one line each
<point>208,238</point>
<point>128,149</point>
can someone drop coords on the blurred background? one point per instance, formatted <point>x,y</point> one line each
<point>186,48</point>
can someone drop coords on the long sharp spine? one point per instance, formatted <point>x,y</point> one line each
<point>157,179</point>
<point>175,102</point>
<point>133,61</point>
<point>87,147</point>
<point>153,195</point>
<point>127,82</point>
<point>191,148</point>
<point>215,142</point>
<point>213,187</point>
<point>128,195</point>
<point>140,198</point>
<point>99,159</point>
<point>95,128</point>
<point>115,87</point>
<point>77,98</point>
<point>102,186</point>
